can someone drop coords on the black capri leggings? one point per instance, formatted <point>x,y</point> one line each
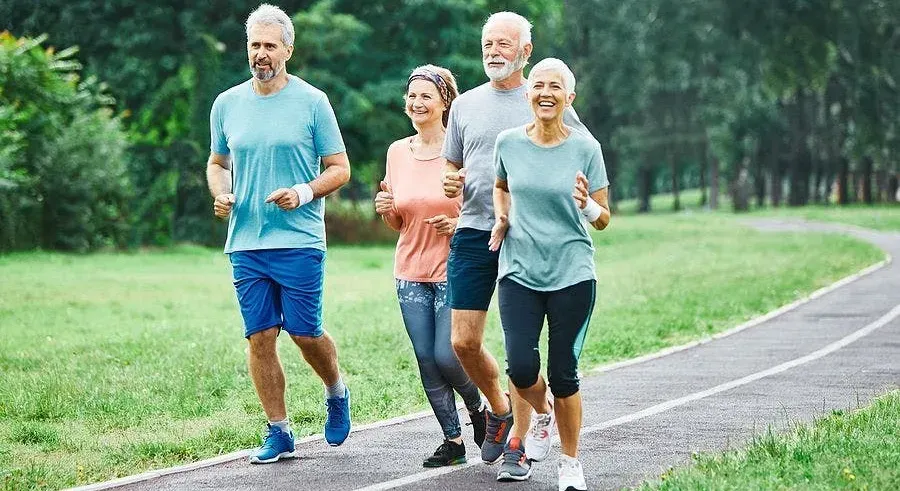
<point>568,312</point>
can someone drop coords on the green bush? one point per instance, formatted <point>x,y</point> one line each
<point>63,182</point>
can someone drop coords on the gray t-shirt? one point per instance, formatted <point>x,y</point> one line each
<point>547,246</point>
<point>476,118</point>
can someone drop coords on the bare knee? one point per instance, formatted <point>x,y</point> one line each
<point>263,342</point>
<point>310,343</point>
<point>467,332</point>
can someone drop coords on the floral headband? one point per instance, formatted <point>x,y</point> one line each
<point>437,80</point>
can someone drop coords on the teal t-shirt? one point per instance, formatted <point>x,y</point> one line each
<point>547,246</point>
<point>275,141</point>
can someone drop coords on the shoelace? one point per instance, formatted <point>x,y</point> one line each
<point>493,428</point>
<point>513,456</point>
<point>568,469</point>
<point>336,417</point>
<point>541,423</point>
<point>445,450</point>
<point>270,436</point>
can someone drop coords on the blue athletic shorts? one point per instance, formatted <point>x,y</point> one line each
<point>280,288</point>
<point>471,270</point>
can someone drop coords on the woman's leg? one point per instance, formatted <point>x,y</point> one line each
<point>417,308</point>
<point>444,355</point>
<point>522,312</point>
<point>568,314</point>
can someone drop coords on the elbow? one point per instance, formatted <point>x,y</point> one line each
<point>345,175</point>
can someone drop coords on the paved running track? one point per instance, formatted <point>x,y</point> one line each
<point>836,351</point>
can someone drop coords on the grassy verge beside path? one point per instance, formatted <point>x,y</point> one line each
<point>846,450</point>
<point>113,364</point>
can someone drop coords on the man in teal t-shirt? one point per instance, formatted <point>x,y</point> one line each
<point>270,138</point>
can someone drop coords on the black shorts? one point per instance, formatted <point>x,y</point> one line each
<point>568,313</point>
<point>471,270</point>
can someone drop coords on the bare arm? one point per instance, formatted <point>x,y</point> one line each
<point>502,203</point>
<point>218,174</point>
<point>335,175</point>
<point>501,199</point>
<point>218,178</point>
<point>601,196</point>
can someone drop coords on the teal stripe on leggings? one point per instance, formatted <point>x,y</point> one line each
<point>582,333</point>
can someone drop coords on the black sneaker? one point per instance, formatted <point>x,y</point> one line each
<point>479,424</point>
<point>448,453</point>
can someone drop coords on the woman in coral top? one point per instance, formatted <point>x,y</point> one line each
<point>412,202</point>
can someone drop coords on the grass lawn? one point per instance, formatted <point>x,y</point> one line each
<point>857,450</point>
<point>113,364</point>
<point>878,217</point>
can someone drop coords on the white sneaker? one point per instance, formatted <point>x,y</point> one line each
<point>539,438</point>
<point>571,476</point>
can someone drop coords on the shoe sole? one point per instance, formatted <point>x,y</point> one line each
<point>282,455</point>
<point>461,460</point>
<point>338,444</point>
<point>539,458</point>
<point>507,477</point>
<point>492,462</point>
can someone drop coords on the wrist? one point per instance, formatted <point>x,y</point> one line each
<point>304,192</point>
<point>592,210</point>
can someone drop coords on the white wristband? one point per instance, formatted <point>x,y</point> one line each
<point>592,210</point>
<point>304,192</point>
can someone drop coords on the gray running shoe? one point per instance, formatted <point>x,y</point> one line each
<point>495,437</point>
<point>516,465</point>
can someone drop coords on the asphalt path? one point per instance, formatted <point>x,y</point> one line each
<point>836,350</point>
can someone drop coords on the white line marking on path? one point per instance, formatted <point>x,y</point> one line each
<point>751,323</point>
<point>665,406</point>
<point>240,454</point>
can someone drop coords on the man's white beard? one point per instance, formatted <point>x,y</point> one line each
<point>502,73</point>
<point>265,74</point>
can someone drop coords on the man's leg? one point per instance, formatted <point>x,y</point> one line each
<point>260,304</point>
<point>267,373</point>
<point>321,354</point>
<point>467,337</point>
<point>301,275</point>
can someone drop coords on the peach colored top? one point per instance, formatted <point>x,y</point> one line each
<point>421,254</point>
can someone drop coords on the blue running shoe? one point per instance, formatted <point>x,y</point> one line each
<point>337,422</point>
<point>276,445</point>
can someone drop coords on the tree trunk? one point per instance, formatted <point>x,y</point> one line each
<point>867,180</point>
<point>611,159</point>
<point>645,187</point>
<point>893,186</point>
<point>676,202</point>
<point>843,181</point>
<point>714,183</point>
<point>703,162</point>
<point>759,175</point>
<point>777,184</point>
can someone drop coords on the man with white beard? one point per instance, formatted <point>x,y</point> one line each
<point>476,118</point>
<point>271,136</point>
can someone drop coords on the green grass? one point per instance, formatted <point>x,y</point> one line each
<point>113,364</point>
<point>878,217</point>
<point>846,450</point>
<point>662,203</point>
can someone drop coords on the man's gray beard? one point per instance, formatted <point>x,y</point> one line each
<point>264,75</point>
<point>517,64</point>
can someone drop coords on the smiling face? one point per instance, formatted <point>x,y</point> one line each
<point>501,51</point>
<point>548,95</point>
<point>267,52</point>
<point>423,102</point>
